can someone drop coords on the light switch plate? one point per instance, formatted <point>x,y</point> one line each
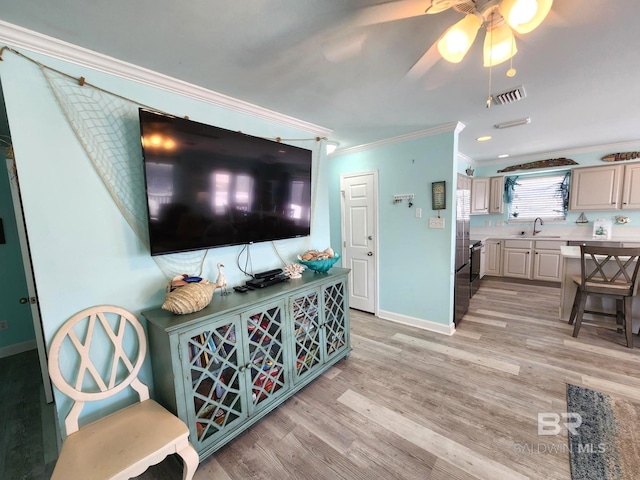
<point>436,222</point>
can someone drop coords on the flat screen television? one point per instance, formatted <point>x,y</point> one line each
<point>210,187</point>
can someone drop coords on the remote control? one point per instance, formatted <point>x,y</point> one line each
<point>241,289</point>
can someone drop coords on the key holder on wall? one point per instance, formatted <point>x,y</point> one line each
<point>407,196</point>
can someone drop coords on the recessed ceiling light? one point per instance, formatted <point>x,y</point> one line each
<point>484,138</point>
<point>504,155</point>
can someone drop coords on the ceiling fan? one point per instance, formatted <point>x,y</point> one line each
<point>500,17</point>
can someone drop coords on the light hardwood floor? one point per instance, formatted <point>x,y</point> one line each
<point>411,404</point>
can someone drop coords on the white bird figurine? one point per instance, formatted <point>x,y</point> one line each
<point>221,281</point>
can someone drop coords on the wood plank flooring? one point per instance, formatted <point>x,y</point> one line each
<point>28,447</point>
<point>411,404</point>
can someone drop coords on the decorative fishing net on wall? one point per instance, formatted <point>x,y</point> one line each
<point>107,127</point>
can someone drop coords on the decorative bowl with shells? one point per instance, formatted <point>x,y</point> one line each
<point>319,262</point>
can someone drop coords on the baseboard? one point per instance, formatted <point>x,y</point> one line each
<point>418,322</point>
<point>17,348</point>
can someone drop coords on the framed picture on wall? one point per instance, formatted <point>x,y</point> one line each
<point>439,195</point>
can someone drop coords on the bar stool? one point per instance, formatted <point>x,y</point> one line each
<point>607,272</point>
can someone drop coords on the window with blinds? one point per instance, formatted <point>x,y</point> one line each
<point>540,196</point>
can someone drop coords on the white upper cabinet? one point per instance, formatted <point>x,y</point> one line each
<point>631,187</point>
<point>486,194</point>
<point>496,194</point>
<point>480,189</point>
<point>596,188</point>
<point>610,187</point>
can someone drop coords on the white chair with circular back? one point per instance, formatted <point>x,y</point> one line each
<point>95,355</point>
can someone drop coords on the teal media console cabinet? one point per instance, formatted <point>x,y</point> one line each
<point>223,368</point>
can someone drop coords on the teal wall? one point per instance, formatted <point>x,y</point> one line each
<point>14,287</point>
<point>589,159</point>
<point>84,253</point>
<point>415,262</point>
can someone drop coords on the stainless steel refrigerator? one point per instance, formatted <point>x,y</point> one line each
<point>462,289</point>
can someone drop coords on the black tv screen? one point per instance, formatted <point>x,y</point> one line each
<point>209,187</point>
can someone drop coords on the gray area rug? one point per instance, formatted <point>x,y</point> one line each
<point>606,444</point>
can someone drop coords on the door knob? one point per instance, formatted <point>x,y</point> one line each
<point>24,300</point>
<point>370,237</point>
<point>369,254</point>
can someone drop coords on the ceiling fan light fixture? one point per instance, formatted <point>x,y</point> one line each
<point>457,40</point>
<point>524,16</point>
<point>499,45</point>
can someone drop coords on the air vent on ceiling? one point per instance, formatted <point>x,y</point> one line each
<point>466,6</point>
<point>510,96</point>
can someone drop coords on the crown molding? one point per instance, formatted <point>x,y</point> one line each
<point>614,147</point>
<point>465,158</point>
<point>456,127</point>
<point>19,37</point>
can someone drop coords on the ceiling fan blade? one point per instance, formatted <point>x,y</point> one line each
<point>559,16</point>
<point>437,6</point>
<point>389,12</point>
<point>344,48</point>
<point>422,66</point>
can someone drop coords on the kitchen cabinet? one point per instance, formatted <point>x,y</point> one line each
<point>486,195</point>
<point>483,260</point>
<point>547,261</point>
<point>631,187</point>
<point>480,195</point>
<point>609,187</point>
<point>516,258</point>
<point>493,257</point>
<point>496,194</point>
<point>222,369</point>
<point>534,260</point>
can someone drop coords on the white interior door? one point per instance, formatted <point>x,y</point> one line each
<point>360,237</point>
<point>31,306</point>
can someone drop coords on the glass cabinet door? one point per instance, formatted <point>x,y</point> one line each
<point>335,324</point>
<point>215,401</point>
<point>306,333</point>
<point>266,370</point>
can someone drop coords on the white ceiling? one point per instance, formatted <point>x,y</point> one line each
<point>320,61</point>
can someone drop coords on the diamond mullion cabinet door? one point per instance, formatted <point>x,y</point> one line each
<point>225,367</point>
<point>335,321</point>
<point>216,399</point>
<point>266,369</point>
<point>307,346</point>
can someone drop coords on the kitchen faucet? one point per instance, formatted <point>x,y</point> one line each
<point>534,225</point>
